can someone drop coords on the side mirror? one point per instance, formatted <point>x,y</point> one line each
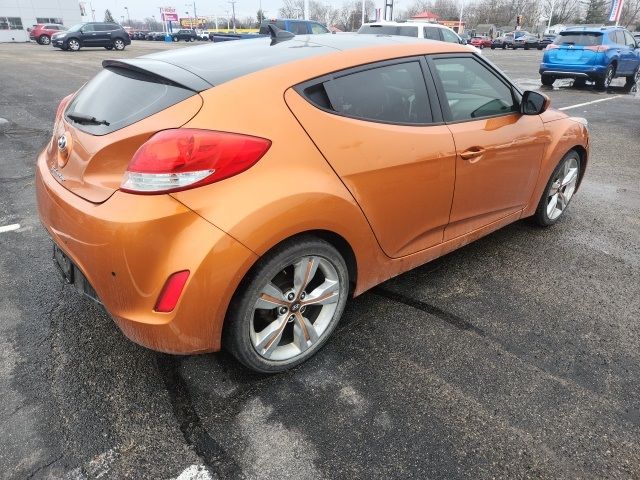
<point>534,103</point>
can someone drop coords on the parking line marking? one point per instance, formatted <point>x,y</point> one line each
<point>589,103</point>
<point>10,228</point>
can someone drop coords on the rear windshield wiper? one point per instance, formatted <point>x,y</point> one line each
<point>83,119</point>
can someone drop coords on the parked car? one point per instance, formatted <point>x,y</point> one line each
<point>140,35</point>
<point>546,40</point>
<point>636,35</point>
<point>186,34</point>
<point>510,38</point>
<point>156,36</point>
<point>43,32</point>
<point>526,42</point>
<point>92,34</point>
<point>202,35</point>
<point>598,54</point>
<point>165,211</point>
<point>297,27</point>
<point>480,41</point>
<point>429,31</point>
<point>498,42</point>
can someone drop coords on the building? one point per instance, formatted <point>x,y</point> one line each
<point>16,16</point>
<point>425,17</point>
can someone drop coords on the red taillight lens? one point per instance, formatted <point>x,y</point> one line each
<point>597,48</point>
<point>551,46</point>
<point>179,159</point>
<point>171,292</point>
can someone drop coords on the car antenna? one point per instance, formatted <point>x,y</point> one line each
<point>278,35</point>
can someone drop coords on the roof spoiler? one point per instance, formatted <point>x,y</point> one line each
<point>161,71</point>
<point>278,35</point>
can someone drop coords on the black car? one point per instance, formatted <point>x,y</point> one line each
<point>498,42</point>
<point>92,34</point>
<point>155,36</point>
<point>546,40</point>
<point>186,34</point>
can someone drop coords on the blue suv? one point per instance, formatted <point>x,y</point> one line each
<point>596,54</point>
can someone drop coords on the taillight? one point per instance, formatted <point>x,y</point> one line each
<point>596,48</point>
<point>551,46</point>
<point>184,158</point>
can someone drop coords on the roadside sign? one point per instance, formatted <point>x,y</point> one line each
<point>169,14</point>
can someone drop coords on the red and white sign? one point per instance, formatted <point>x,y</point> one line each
<point>169,14</point>
<point>616,10</point>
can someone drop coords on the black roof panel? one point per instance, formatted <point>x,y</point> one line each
<point>220,62</point>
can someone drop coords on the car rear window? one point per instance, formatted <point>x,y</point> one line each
<point>583,39</point>
<point>390,30</point>
<point>122,97</point>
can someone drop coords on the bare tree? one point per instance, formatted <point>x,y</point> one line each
<point>630,14</point>
<point>291,9</point>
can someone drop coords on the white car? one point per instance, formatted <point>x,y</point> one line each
<point>429,31</point>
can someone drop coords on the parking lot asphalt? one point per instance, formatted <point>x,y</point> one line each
<point>517,356</point>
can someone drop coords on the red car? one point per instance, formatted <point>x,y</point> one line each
<point>480,41</point>
<point>42,32</point>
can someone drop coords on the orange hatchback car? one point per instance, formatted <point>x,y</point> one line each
<point>235,195</point>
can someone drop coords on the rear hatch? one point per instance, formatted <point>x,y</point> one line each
<point>576,48</point>
<point>112,116</point>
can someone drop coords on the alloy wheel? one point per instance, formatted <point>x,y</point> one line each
<point>295,308</point>
<point>608,77</point>
<point>74,45</point>
<point>118,44</point>
<point>562,188</point>
<point>44,40</point>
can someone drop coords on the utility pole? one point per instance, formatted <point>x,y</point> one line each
<point>306,10</point>
<point>128,17</point>
<point>362,23</point>
<point>460,21</point>
<point>233,9</point>
<point>553,4</point>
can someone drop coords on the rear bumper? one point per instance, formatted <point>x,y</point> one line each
<point>591,72</point>
<point>129,245</point>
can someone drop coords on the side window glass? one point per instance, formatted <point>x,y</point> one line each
<point>620,37</point>
<point>88,28</point>
<point>316,28</point>
<point>391,94</point>
<point>431,33</point>
<point>629,40</point>
<point>299,28</point>
<point>449,36</point>
<point>472,90</point>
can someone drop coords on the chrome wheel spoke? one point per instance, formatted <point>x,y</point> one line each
<point>325,294</point>
<point>570,176</point>
<point>271,297</point>
<point>304,333</point>
<point>303,272</point>
<point>552,205</point>
<point>267,340</point>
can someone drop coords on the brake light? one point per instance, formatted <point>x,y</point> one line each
<point>551,46</point>
<point>171,291</point>
<point>596,48</point>
<point>184,158</point>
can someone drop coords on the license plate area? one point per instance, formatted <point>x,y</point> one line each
<point>73,275</point>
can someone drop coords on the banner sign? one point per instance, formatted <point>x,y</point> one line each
<point>169,14</point>
<point>616,10</point>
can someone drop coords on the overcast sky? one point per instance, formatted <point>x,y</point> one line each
<point>140,9</point>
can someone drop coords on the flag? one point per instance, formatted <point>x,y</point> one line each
<point>616,10</point>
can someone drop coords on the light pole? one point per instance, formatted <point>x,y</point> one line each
<point>553,4</point>
<point>195,12</point>
<point>122,17</point>
<point>233,10</point>
<point>128,17</point>
<point>460,21</point>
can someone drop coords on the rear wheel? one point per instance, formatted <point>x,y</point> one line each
<point>579,82</point>
<point>604,82</point>
<point>493,47</point>
<point>633,80</point>
<point>526,47</point>
<point>559,191</point>
<point>547,80</point>
<point>118,44</point>
<point>44,40</point>
<point>73,44</point>
<point>287,308</point>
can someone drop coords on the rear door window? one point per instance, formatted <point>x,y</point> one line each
<point>316,28</point>
<point>298,28</point>
<point>391,94</point>
<point>404,31</point>
<point>449,36</point>
<point>118,97</point>
<point>472,90</point>
<point>629,40</point>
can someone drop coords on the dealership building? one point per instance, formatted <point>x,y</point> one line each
<point>16,16</point>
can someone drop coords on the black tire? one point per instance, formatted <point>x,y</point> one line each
<point>541,218</point>
<point>118,44</point>
<point>526,47</point>
<point>604,82</point>
<point>579,83</point>
<point>73,44</point>
<point>44,40</point>
<point>633,80</point>
<point>547,80</point>
<point>240,315</point>
<point>492,47</point>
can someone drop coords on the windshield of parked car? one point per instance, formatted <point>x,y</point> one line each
<point>77,27</point>
<point>390,30</point>
<point>583,39</point>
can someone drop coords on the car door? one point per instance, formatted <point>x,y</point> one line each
<point>630,54</point>
<point>499,150</point>
<point>89,35</point>
<point>380,129</point>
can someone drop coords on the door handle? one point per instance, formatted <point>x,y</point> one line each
<point>474,152</point>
